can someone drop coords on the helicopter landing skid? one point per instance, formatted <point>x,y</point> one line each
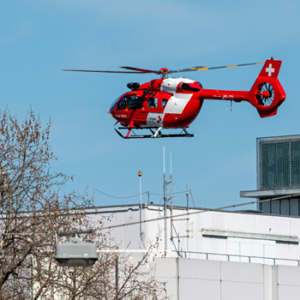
<point>156,133</point>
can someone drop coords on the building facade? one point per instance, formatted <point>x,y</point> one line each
<point>216,255</point>
<point>204,234</point>
<point>195,279</point>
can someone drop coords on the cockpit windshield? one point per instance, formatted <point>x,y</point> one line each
<point>114,104</point>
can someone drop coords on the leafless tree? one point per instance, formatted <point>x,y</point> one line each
<point>33,210</point>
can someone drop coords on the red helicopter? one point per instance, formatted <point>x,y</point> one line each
<point>174,103</point>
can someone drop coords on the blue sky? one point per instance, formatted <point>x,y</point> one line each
<point>40,38</point>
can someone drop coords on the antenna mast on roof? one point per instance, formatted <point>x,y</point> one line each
<point>165,201</point>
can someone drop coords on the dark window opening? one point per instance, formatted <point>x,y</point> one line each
<point>112,107</point>
<point>122,104</point>
<point>164,102</point>
<point>152,102</point>
<point>135,102</point>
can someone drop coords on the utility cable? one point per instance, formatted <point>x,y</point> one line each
<point>192,198</point>
<point>157,194</point>
<point>119,197</point>
<point>197,212</point>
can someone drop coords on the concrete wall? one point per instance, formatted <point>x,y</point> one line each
<point>195,279</point>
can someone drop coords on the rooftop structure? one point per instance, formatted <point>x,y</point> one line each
<point>278,174</point>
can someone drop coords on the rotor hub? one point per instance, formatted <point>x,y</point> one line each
<point>164,70</point>
<point>266,94</point>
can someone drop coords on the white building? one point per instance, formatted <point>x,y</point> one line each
<point>215,254</point>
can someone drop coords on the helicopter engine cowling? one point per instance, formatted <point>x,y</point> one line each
<point>173,85</point>
<point>155,85</point>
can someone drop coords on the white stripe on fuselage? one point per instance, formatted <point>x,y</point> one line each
<point>176,103</point>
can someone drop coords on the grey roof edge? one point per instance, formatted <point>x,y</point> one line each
<point>279,137</point>
<point>269,193</point>
<point>259,236</point>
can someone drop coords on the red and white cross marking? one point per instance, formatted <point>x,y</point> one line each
<point>270,70</point>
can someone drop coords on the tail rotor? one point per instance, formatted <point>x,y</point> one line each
<point>265,94</point>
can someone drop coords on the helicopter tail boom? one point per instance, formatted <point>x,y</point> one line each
<point>266,94</point>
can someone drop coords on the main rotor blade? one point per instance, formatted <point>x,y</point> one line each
<point>142,70</point>
<point>186,70</point>
<point>213,68</point>
<point>105,71</point>
<point>145,71</point>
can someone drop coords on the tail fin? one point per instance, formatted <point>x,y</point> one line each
<point>267,93</point>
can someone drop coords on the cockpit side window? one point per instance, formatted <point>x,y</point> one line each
<point>135,102</point>
<point>122,103</point>
<point>164,102</point>
<point>112,107</point>
<point>152,102</point>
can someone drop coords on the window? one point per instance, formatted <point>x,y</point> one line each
<point>164,102</point>
<point>251,250</point>
<point>114,104</point>
<point>279,164</point>
<point>122,104</point>
<point>135,102</point>
<point>152,102</point>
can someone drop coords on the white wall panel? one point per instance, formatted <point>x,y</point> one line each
<point>268,283</point>
<point>241,272</point>
<point>199,269</point>
<point>241,291</point>
<point>289,276</point>
<point>286,292</point>
<point>191,289</point>
<point>167,267</point>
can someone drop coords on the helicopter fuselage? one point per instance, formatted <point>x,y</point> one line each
<point>159,103</point>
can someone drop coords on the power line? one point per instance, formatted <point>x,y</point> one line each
<point>133,196</point>
<point>111,196</point>
<point>197,212</point>
<point>183,192</point>
<point>192,197</point>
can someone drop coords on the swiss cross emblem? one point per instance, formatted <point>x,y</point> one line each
<point>159,119</point>
<point>270,70</point>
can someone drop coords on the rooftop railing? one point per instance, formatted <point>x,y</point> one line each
<point>239,258</point>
